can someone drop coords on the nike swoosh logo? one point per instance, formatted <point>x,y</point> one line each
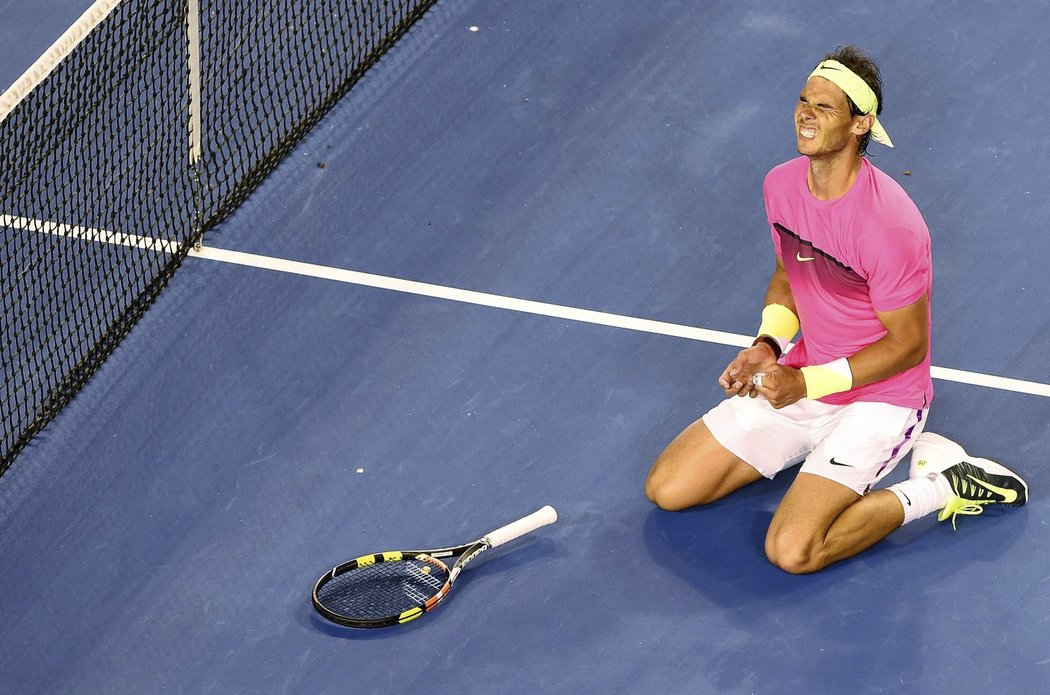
<point>836,463</point>
<point>1009,496</point>
<point>800,258</point>
<point>906,497</point>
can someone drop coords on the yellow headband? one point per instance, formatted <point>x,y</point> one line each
<point>857,90</point>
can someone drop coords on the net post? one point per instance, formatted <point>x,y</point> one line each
<point>193,42</point>
<point>193,35</point>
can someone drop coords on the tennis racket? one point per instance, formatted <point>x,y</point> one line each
<point>398,586</point>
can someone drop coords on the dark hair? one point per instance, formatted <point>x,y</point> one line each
<point>866,69</point>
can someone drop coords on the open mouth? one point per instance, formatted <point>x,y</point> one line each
<point>807,133</point>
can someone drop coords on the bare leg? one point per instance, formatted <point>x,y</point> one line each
<point>695,469</point>
<point>820,522</point>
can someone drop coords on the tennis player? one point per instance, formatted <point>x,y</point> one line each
<point>849,400</point>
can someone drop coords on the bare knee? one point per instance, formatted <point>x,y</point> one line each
<point>793,552</point>
<point>672,494</point>
<point>672,490</point>
<point>694,470</point>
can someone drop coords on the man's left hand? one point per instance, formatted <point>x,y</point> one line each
<point>781,386</point>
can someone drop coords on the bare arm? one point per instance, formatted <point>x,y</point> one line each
<point>779,290</point>
<point>905,345</point>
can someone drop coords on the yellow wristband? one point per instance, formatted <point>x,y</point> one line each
<point>826,379</point>
<point>779,323</point>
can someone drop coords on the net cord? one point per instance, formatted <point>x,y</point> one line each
<point>46,63</point>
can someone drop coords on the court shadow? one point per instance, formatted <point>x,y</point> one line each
<point>797,627</point>
<point>718,548</point>
<point>866,620</point>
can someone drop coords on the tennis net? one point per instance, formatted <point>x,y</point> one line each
<point>147,123</point>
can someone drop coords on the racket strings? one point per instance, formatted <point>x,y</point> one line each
<point>382,590</point>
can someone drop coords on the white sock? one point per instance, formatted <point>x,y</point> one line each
<point>923,495</point>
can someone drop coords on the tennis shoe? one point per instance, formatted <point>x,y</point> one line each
<point>975,482</point>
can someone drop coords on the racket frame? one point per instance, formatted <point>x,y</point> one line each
<point>433,556</point>
<point>467,553</point>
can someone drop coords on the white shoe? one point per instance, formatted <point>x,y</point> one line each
<point>933,453</point>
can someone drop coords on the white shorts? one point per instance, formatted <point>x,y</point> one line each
<point>855,445</point>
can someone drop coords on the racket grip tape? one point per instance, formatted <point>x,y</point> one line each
<point>516,529</point>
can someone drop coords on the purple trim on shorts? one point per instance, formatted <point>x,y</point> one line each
<point>896,449</point>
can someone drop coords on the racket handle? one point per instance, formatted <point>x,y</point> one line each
<point>516,529</point>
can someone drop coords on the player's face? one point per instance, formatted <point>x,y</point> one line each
<point>823,123</point>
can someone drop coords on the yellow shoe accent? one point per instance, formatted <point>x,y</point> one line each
<point>1009,496</point>
<point>957,505</point>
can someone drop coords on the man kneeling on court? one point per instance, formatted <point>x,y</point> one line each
<point>853,265</point>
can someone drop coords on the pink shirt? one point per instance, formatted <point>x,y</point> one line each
<point>846,259</point>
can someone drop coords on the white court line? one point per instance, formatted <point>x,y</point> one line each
<point>88,234</point>
<point>46,63</point>
<point>563,312</point>
<point>470,297</point>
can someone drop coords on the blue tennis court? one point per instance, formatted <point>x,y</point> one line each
<point>504,272</point>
